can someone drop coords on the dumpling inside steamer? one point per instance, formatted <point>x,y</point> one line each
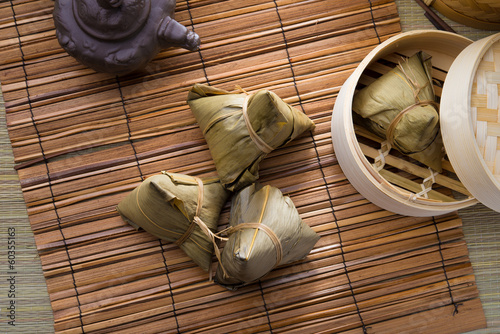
<point>400,108</point>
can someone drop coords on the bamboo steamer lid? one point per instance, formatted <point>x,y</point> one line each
<point>470,119</point>
<point>444,47</point>
<point>480,14</point>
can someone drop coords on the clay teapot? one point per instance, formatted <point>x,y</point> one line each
<point>119,36</point>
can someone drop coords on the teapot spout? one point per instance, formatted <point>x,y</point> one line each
<point>172,33</point>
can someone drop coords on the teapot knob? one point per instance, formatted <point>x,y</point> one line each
<point>111,3</point>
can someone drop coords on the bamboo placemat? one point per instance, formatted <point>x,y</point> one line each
<point>83,140</point>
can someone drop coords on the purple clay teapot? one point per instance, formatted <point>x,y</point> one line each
<point>119,36</point>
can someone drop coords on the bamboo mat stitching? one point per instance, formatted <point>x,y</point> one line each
<point>321,167</point>
<point>162,250</point>
<point>167,271</point>
<point>310,132</point>
<point>373,20</point>
<point>315,146</point>
<point>44,159</point>
<point>208,82</point>
<point>203,66</point>
<point>443,265</point>
<point>265,307</point>
<point>167,274</point>
<point>128,127</point>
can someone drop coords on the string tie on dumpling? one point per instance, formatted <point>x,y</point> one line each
<point>197,221</point>
<point>259,142</point>
<point>389,135</point>
<point>270,233</point>
<point>416,88</point>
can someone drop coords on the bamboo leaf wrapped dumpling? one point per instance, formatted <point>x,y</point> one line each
<point>400,107</point>
<point>265,231</point>
<point>166,205</point>
<point>242,129</point>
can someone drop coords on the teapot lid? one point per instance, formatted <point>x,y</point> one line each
<point>111,19</point>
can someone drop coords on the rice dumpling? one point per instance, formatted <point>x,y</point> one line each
<point>265,230</point>
<point>400,107</point>
<point>166,206</point>
<point>241,129</point>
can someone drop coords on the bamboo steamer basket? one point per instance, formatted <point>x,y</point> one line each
<point>480,14</point>
<point>403,186</point>
<point>470,119</point>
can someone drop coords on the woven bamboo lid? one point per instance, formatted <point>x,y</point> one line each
<point>470,119</point>
<point>481,14</point>
<point>400,186</point>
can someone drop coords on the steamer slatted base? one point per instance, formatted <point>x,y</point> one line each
<point>84,140</point>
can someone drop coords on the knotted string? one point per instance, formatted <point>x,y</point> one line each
<point>197,221</point>
<point>228,231</point>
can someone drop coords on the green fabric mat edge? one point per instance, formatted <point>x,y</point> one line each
<point>21,281</point>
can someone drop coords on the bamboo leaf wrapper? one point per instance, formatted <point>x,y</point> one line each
<point>265,231</point>
<point>400,107</point>
<point>165,205</point>
<point>242,129</point>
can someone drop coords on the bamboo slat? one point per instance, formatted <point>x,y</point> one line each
<point>83,140</point>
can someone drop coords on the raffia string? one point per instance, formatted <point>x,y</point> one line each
<point>416,90</point>
<point>213,237</point>
<point>261,144</point>
<point>228,231</point>
<point>414,83</point>
<point>199,205</point>
<point>270,233</point>
<point>198,221</point>
<point>186,234</point>
<point>392,126</point>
